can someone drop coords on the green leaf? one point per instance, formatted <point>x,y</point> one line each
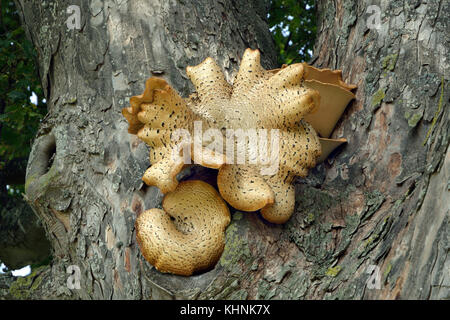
<point>19,119</point>
<point>17,95</point>
<point>293,26</point>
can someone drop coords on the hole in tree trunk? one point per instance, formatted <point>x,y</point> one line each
<point>51,155</point>
<point>41,159</point>
<point>45,155</point>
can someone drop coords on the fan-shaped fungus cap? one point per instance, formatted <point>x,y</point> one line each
<point>188,235</point>
<point>335,95</point>
<point>260,99</point>
<point>299,101</point>
<point>154,116</point>
<point>333,101</point>
<point>328,146</point>
<point>327,76</point>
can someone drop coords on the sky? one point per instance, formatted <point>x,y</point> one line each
<point>34,98</point>
<point>19,272</point>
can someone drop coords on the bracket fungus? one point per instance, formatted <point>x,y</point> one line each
<point>188,235</point>
<point>299,104</point>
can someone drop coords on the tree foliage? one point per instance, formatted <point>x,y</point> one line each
<point>19,118</point>
<point>293,25</point>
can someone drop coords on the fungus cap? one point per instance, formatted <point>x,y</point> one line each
<point>260,99</point>
<point>187,236</point>
<point>300,101</point>
<point>333,101</point>
<point>328,146</point>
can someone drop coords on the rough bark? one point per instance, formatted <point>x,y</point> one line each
<point>380,200</point>
<point>394,211</point>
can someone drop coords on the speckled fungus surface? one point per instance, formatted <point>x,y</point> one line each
<point>300,103</point>
<point>188,235</point>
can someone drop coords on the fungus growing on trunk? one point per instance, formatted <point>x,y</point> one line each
<point>188,235</point>
<point>296,104</point>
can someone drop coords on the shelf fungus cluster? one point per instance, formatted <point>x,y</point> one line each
<point>260,132</point>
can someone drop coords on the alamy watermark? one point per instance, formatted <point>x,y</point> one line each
<point>250,146</point>
<point>374,280</point>
<point>374,18</point>
<point>74,20</point>
<point>73,281</point>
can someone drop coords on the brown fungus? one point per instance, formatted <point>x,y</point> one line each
<point>300,103</point>
<point>188,235</point>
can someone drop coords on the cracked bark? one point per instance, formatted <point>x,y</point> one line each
<point>379,200</point>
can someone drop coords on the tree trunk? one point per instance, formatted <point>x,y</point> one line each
<point>378,204</point>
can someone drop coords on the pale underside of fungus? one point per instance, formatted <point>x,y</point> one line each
<point>300,103</point>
